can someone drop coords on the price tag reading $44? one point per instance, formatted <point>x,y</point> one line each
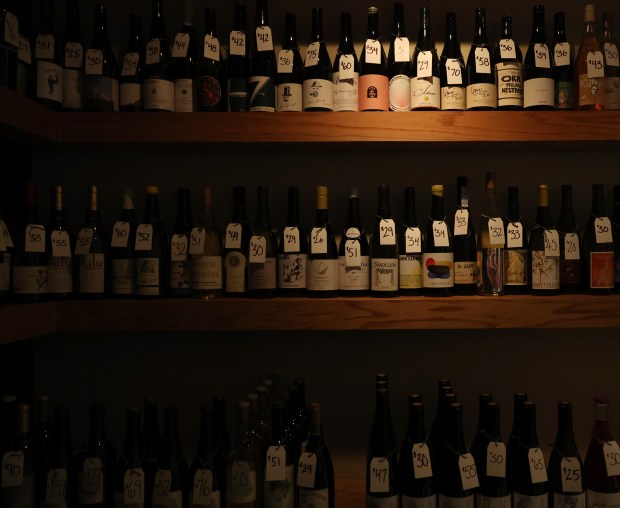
<point>421,457</point>
<point>233,236</point>
<point>306,470</point>
<point>379,474</point>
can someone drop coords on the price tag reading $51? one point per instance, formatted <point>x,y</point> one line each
<point>275,466</point>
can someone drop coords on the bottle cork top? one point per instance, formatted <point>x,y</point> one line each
<point>588,13</point>
<point>437,190</point>
<point>152,189</point>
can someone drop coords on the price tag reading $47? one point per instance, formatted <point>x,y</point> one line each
<point>306,470</point>
<point>379,474</point>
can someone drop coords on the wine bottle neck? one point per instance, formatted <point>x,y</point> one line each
<point>100,38</point>
<point>261,14</point>
<point>290,38</point>
<point>415,426</point>
<point>480,34</point>
<point>262,211</point>
<point>451,38</point>
<point>151,213</point>
<point>528,436</point>
<point>158,30</point>
<point>72,27</point>
<point>559,29</point>
<point>240,24</point>
<point>538,27</point>
<point>437,208</point>
<point>346,38</point>
<point>210,23</point>
<point>383,203</point>
<point>409,216</point>
<point>513,205</point>
<point>353,220</point>
<point>205,441</point>
<point>131,449</point>
<point>293,208</point>
<point>425,39</point>
<point>317,26</point>
<point>564,435</point>
<point>598,207</point>
<point>373,25</point>
<point>398,27</point>
<point>507,29</point>
<point>135,34</point>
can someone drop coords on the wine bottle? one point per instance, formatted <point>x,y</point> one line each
<point>122,253</point>
<point>565,465</point>
<point>301,426</point>
<point>26,79</point>
<point>384,248</point>
<point>345,74</point>
<point>600,482</point>
<point>382,481</point>
<point>315,471</point>
<point>42,442</point>
<point>436,436</point>
<point>399,63</point>
<point>261,83</point>
<point>129,475</point>
<point>9,43</point>
<point>464,242</point>
<point>452,71</point>
<point>151,444</point>
<point>158,80</point>
<point>101,89</point>
<point>598,248</point>
<point>238,62</point>
<point>353,252</point>
<point>56,480</point>
<point>6,257</point>
<point>180,267</point>
<point>322,267</point>
<point>289,79</point>
<point>205,482</point>
<point>280,461</point>
<point>48,61</point>
<point>73,62</point>
<point>612,64</point>
<point>570,243</point>
<point>130,80</point>
<point>425,81</point>
<point>563,71</point>
<point>544,249</point>
<point>184,61</point>
<point>479,443</point>
<point>481,86</point>
<point>60,266</point>
<point>615,227</point>
<point>410,247</point>
<point>222,443</point>
<point>242,464</point>
<point>263,250</point>
<point>373,89</point>
<point>491,242</point>
<point>206,252</point>
<point>508,69</point>
<point>236,247</point>
<point>590,66</point>
<point>8,422</point>
<point>438,257</point>
<point>211,81</point>
<point>30,256</point>
<point>513,440</point>
<point>515,274</point>
<point>538,84</point>
<point>292,250</point>
<point>152,261</point>
<point>318,88</point>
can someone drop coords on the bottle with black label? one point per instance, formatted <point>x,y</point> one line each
<point>48,60</point>
<point>399,63</point>
<point>238,62</point>
<point>318,88</point>
<point>180,268</point>
<point>452,71</point>
<point>293,250</point>
<point>538,84</point>
<point>261,83</point>
<point>481,86</point>
<point>263,250</point>
<point>158,82</point>
<point>289,79</point>
<point>544,249</point>
<point>130,80</point>
<point>508,69</point>
<point>60,238</point>
<point>464,242</point>
<point>73,74</point>
<point>373,94</point>
<point>384,248</point>
<point>515,278</point>
<point>9,44</point>
<point>570,244</point>
<point>438,257</point>
<point>122,250</point>
<point>211,82</point>
<point>346,69</point>
<point>237,247</point>
<point>563,71</point>
<point>425,81</point>
<point>411,246</point>
<point>353,252</point>
<point>184,60</point>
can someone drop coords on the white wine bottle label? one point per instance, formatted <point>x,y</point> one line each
<point>123,276</point>
<point>203,494</point>
<point>345,92</point>
<point>399,89</point>
<point>60,275</point>
<point>552,243</point>
<point>602,230</point>
<point>561,54</point>
<point>569,500</point>
<point>275,464</point>
<point>509,84</point>
<point>418,502</point>
<point>542,59</point>
<point>483,61</point>
<point>130,64</point>
<point>322,274</point>
<point>237,43</point>
<point>354,278</point>
<point>514,232</point>
<point>538,469</point>
<point>56,488</point>
<point>410,271</point>
<point>289,97</point>
<point>263,275</point>
<point>90,485</point>
<point>44,47</point>
<point>147,277</point>
<point>313,498</point>
<point>453,98</point>
<point>538,92</point>
<point>384,274</point>
<point>196,241</point>
<point>179,247</point>
<point>29,280</point>
<point>72,89</point>
<point>519,500</point>
<point>438,269</point>
<point>507,49</point>
<point>596,65</point>
<point>158,94</point>
<point>93,64</point>
<point>612,93</point>
<point>461,220</point>
<point>455,502</point>
<point>243,483</point>
<point>379,475</point>
<point>454,71</point>
<point>382,502</point>
<point>424,65</point>
<point>144,237</point>
<point>281,494</point>
<point>426,93</point>
<point>92,268</point>
<point>600,499</point>
<point>545,271</point>
<point>481,95</point>
<point>496,460</point>
<point>318,93</point>
<point>61,246</point>
<point>465,272</point>
<point>421,456</point>
<point>13,469</point>
<point>206,272</point>
<point>131,95</point>
<point>571,246</point>
<point>469,474</point>
<point>570,469</point>
<point>602,276</point>
<point>184,95</point>
<point>133,487</point>
<point>493,502</point>
<point>235,266</point>
<point>387,232</point>
<point>292,271</point>
<point>515,267</point>
<point>306,470</point>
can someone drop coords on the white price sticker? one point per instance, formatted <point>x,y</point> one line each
<point>13,469</point>
<point>379,475</point>
<point>352,254</point>
<point>74,55</point>
<point>258,249</point>
<point>602,229</point>
<point>570,469</point>
<point>179,248</point>
<point>291,239</point>
<point>35,238</point>
<point>61,245</point>
<point>237,43</point>
<point>496,231</point>
<point>552,243</point>
<point>94,62</point>
<point>84,239</point>
<point>454,71</point>
<point>212,48</point>
<point>611,54</point>
<point>413,241</point>
<point>197,241</point>
<point>541,56</point>
<point>469,474</point>
<point>264,41</point>
<point>130,64</point>
<point>425,64</point>
<point>312,54</point>
<point>120,234</point>
<point>440,234</point>
<point>401,49</point>
<point>387,232</point>
<point>571,246</point>
<point>56,487</point>
<point>306,470</point>
<point>5,236</point>
<point>461,220</point>
<point>514,230</point>
<point>483,61</point>
<point>275,466</point>
<point>346,67</point>
<point>203,487</point>
<point>285,61</point>
<point>612,458</point>
<point>233,236</point>
<point>318,241</point>
<point>152,51</point>
<point>421,456</point>
<point>144,237</point>
<point>180,45</point>
<point>92,479</point>
<point>538,470</point>
<point>44,47</point>
<point>133,487</point>
<point>561,54</point>
<point>496,459</point>
<point>372,49</point>
<point>507,49</point>
<point>596,67</point>
<point>161,489</point>
<point>11,29</point>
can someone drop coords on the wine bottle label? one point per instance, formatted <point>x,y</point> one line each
<point>56,488</point>
<point>24,52</point>
<point>180,275</point>
<point>118,501</point>
<point>206,272</point>
<point>456,502</point>
<point>29,280</point>
<point>418,502</point>
<point>158,94</point>
<point>131,95</point>
<point>493,502</point>
<point>90,482</point>
<point>133,487</point>
<point>313,498</point>
<point>410,271</point>
<point>545,271</point>
<point>399,92</point>
<point>489,271</point>
<point>262,275</point>
<point>262,92</point>
<point>44,47</point>
<point>564,94</point>
<point>384,274</point>
<point>373,93</point>
<point>20,497</point>
<point>515,267</point>
<point>147,277</point>
<point>289,97</point>
<point>235,266</point>
<point>184,94</point>
<point>203,494</point>
<point>13,469</point>
<point>591,90</point>
<point>292,271</point>
<point>602,270</point>
<point>123,276</point>
<point>612,93</point>
<point>354,278</point>
<point>481,95</point>
<point>237,89</point>
<point>59,275</point>
<point>538,92</point>
<point>72,89</point>
<point>464,272</point>
<point>509,84</point>
<point>209,92</point>
<point>102,93</point>
<point>49,81</point>
<point>281,493</point>
<point>243,483</point>
<point>601,499</point>
<point>569,500</point>
<point>425,93</point>
<point>438,269</point>
<point>382,502</point>
<point>318,93</point>
<point>5,272</point>
<point>519,500</point>
<point>453,98</point>
<point>345,92</point>
<point>322,274</point>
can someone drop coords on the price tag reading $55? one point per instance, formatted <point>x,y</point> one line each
<point>469,474</point>
<point>84,239</point>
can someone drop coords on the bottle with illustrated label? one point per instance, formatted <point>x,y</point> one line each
<point>289,80</point>
<point>73,62</point>
<point>152,247</point>
<point>345,73</point>
<point>513,440</point>
<point>318,87</point>
<point>281,457</point>
<point>612,64</point>
<point>508,69</point>
<point>563,71</point>
<point>292,250</point>
<point>158,81</point>
<point>211,90</point>
<point>570,245</point>
<point>382,478</point>
<point>180,267</point>
<point>242,465</point>
<point>130,80</point>
<point>6,256</point>
<point>204,481</point>
<point>205,250</point>
<point>151,444</point>
<point>410,248</point>
<point>128,474</point>
<point>425,82</point>
<point>615,228</point>
<point>60,238</point>
<point>438,257</point>
<point>491,243</point>
<point>452,71</point>
<point>122,253</point>
<point>481,86</point>
<point>601,478</point>
<point>464,242</point>
<point>565,465</point>
<point>237,247</point>
<point>322,268</point>
<point>538,84</point>
<point>184,61</point>
<point>590,66</point>
<point>373,87</point>
<point>221,443</point>
<point>597,248</point>
<point>399,63</point>
<point>479,443</point>
<point>101,89</point>
<point>384,248</point>
<point>315,471</point>
<point>263,250</point>
<point>48,60</point>
<point>261,83</point>
<point>544,249</point>
<point>26,79</point>
<point>515,273</point>
<point>9,43</point>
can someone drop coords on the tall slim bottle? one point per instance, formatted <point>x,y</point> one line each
<point>289,80</point>
<point>184,61</point>
<point>563,71</point>
<point>399,63</point>
<point>384,248</point>
<point>481,86</point>
<point>6,255</point>
<point>73,62</point>
<point>515,272</point>
<point>345,73</point>
<point>48,60</point>
<point>211,80</point>
<point>508,69</point>
<point>318,88</point>
<point>544,249</point>
<point>410,247</point>
<point>590,66</point>
<point>538,84</point>
<point>204,480</point>
<point>438,257</point>
<point>491,242</point>
<point>479,444</point>
<point>515,432</point>
<point>130,80</point>
<point>612,64</point>
<point>353,252</point>
<point>452,71</point>
<point>151,443</point>
<point>237,247</point>
<point>122,253</point>
<point>180,267</point>
<point>158,82</point>
<point>437,433</point>
<point>615,224</point>
<point>293,250</point>
<point>128,474</point>
<point>261,83</point>
<point>43,440</point>
<point>263,250</point>
<point>373,79</point>
<point>60,266</point>
<point>222,442</point>
<point>570,245</point>
<point>464,242</point>
<point>26,80</point>
<point>425,76</point>
<point>238,62</point>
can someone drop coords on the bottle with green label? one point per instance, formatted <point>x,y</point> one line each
<point>438,256</point>
<point>544,249</point>
<point>158,79</point>
<point>293,250</point>
<point>289,80</point>
<point>73,62</point>
<point>205,485</point>
<point>60,238</point>
<point>261,83</point>
<point>129,475</point>
<point>464,241</point>
<point>384,248</point>
<point>238,62</point>
<point>211,82</point>
<point>353,253</point>
<point>130,80</point>
<point>263,249</point>
<point>515,273</point>
<point>47,60</point>
<point>184,61</point>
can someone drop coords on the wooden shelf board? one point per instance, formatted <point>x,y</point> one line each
<point>22,118</point>
<point>23,321</point>
<point>350,493</point>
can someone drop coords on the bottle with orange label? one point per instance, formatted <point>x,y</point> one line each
<point>590,67</point>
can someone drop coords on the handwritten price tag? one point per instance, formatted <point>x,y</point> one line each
<point>130,64</point>
<point>306,470</point>
<point>197,241</point>
<point>496,459</point>
<point>469,474</point>
<point>454,71</point>
<point>561,54</point>
<point>422,467</point>
<point>346,67</point>
<point>514,230</point>
<point>425,64</point>
<point>379,474</point>
<point>237,43</point>
<point>74,54</point>
<point>180,45</point>
<point>571,246</point>
<point>120,234</point>
<point>461,220</point>
<point>264,41</point>
<point>13,469</point>
<point>602,229</point>
<point>152,51</point>
<point>233,236</point>
<point>483,61</point>
<point>92,480</point>
<point>44,47</point>
<point>352,255</point>
<point>570,468</point>
<point>312,54</point>
<point>372,48</point>
<point>318,241</point>
<point>413,240</point>
<point>552,243</point>
<point>291,239</point>
<point>35,238</point>
<point>94,62</point>
<point>203,487</point>
<point>275,466</point>
<point>612,458</point>
<point>5,236</point>
<point>538,470</point>
<point>440,234</point>
<point>258,249</point>
<point>56,487</point>
<point>401,49</point>
<point>507,49</point>
<point>611,54</point>
<point>61,245</point>
<point>285,61</point>
<point>387,232</point>
<point>541,54</point>
<point>161,490</point>
<point>133,486</point>
<point>211,48</point>
<point>84,239</point>
<point>596,67</point>
<point>11,29</point>
<point>496,231</point>
<point>144,237</point>
<point>178,248</point>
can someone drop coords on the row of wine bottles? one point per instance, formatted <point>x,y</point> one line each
<point>442,258</point>
<point>183,75</point>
